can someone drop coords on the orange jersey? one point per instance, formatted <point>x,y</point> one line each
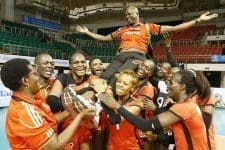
<point>135,36</point>
<point>29,123</point>
<point>123,136</point>
<point>211,131</point>
<point>190,131</point>
<point>146,90</point>
<point>43,93</point>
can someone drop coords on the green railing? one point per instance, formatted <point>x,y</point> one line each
<point>31,51</point>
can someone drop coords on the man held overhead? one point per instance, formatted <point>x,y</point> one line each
<point>134,38</point>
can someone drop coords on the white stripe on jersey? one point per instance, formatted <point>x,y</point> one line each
<point>50,132</point>
<point>38,116</point>
<point>33,114</point>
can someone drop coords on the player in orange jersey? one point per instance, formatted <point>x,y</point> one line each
<point>135,37</point>
<point>78,80</point>
<point>45,68</point>
<point>29,122</point>
<point>184,117</point>
<point>123,135</point>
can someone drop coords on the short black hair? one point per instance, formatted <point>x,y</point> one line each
<point>39,56</point>
<point>76,53</point>
<point>92,59</point>
<point>13,71</point>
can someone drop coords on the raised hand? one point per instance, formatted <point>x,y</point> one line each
<point>82,29</point>
<point>88,113</point>
<point>99,85</point>
<point>108,100</point>
<point>168,101</point>
<point>167,39</point>
<point>109,91</point>
<point>206,16</point>
<point>148,104</point>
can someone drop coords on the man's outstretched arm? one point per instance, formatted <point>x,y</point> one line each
<point>95,36</point>
<point>183,26</point>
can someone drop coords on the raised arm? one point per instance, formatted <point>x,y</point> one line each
<point>61,39</point>
<point>203,18</point>
<point>95,36</point>
<point>114,117</point>
<point>169,57</point>
<point>59,141</point>
<point>162,120</point>
<point>53,97</point>
<point>57,88</point>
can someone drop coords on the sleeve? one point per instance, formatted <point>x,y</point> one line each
<point>147,91</point>
<point>140,123</point>
<point>154,28</point>
<point>33,126</point>
<point>62,78</point>
<point>116,34</point>
<point>113,117</point>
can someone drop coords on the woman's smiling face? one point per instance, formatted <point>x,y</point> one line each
<point>124,84</point>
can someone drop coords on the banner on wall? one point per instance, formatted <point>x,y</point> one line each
<point>217,58</point>
<point>41,23</point>
<point>5,95</point>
